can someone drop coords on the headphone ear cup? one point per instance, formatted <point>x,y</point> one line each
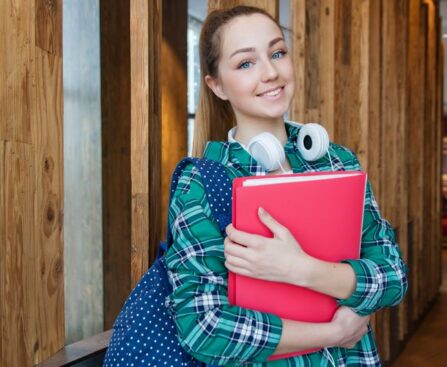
<point>267,150</point>
<point>313,141</point>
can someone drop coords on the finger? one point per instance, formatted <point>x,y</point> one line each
<point>228,228</point>
<point>277,228</point>
<point>237,269</point>
<point>237,262</point>
<point>234,249</point>
<point>244,238</point>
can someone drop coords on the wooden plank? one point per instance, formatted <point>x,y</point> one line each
<point>116,126</point>
<point>415,74</point>
<point>16,69</point>
<point>313,53</point>
<point>18,266</point>
<point>48,26</point>
<point>272,6</point>
<point>47,133</point>
<point>48,218</point>
<point>312,57</point>
<point>2,250</point>
<point>298,45</point>
<point>145,37</point>
<point>174,92</point>
<point>426,187</point>
<point>31,106</point>
<point>439,138</point>
<point>441,129</point>
<point>394,173</point>
<point>431,141</point>
<point>81,351</point>
<point>370,59</point>
<point>327,66</point>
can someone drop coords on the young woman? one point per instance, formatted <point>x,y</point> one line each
<point>248,82</point>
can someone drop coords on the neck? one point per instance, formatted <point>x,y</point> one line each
<point>247,129</point>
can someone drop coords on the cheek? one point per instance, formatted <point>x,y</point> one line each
<point>241,84</point>
<point>289,72</point>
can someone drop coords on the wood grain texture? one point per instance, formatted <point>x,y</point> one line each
<point>174,96</point>
<point>327,66</point>
<point>48,26</point>
<point>415,103</point>
<point>48,218</point>
<point>116,176</point>
<point>146,33</point>
<point>272,6</point>
<point>394,172</point>
<point>16,69</point>
<point>82,353</point>
<point>430,128</point>
<point>18,267</point>
<point>32,182</point>
<point>313,47</point>
<point>437,261</point>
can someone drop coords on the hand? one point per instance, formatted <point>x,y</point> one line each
<point>274,259</point>
<point>349,327</point>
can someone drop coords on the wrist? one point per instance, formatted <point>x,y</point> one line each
<point>335,334</point>
<point>306,271</point>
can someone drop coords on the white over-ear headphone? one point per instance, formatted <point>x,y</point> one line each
<point>312,141</point>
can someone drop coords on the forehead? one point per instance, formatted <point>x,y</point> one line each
<point>254,30</point>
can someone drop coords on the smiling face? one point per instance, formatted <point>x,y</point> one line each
<point>255,71</point>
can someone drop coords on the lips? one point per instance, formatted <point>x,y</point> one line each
<point>277,90</point>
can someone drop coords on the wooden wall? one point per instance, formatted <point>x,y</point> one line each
<point>368,70</point>
<point>31,178</point>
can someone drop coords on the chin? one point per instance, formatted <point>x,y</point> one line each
<point>277,113</point>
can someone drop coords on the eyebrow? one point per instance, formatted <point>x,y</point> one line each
<point>251,49</point>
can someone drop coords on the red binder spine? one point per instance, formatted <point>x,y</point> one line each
<point>231,276</point>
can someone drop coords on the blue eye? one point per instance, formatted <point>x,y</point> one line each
<point>244,65</point>
<point>280,54</point>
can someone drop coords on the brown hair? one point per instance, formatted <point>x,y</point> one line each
<point>215,116</point>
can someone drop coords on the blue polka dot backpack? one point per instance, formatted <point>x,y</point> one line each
<point>144,333</point>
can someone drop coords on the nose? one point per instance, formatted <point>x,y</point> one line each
<point>269,71</point>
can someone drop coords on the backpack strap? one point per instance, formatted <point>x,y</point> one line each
<point>218,188</point>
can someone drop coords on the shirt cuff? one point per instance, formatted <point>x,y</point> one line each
<point>366,287</point>
<point>273,340</point>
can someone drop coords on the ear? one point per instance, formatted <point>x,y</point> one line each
<point>216,87</point>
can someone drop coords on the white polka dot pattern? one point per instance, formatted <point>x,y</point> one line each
<point>144,333</point>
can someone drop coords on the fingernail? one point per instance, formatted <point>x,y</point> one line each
<point>261,210</point>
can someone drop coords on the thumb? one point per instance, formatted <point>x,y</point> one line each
<point>271,223</point>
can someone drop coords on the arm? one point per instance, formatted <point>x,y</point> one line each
<point>209,328</point>
<point>379,278</point>
<point>380,272</point>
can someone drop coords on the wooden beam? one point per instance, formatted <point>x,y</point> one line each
<point>174,96</point>
<point>116,181</point>
<point>146,35</point>
<point>272,6</point>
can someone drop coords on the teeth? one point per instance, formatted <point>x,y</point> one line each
<point>273,92</point>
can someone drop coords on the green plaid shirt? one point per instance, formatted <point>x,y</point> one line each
<point>217,333</point>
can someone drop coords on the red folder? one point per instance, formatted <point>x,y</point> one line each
<point>324,212</point>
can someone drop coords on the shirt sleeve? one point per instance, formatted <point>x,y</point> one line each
<point>381,272</point>
<point>209,328</point>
